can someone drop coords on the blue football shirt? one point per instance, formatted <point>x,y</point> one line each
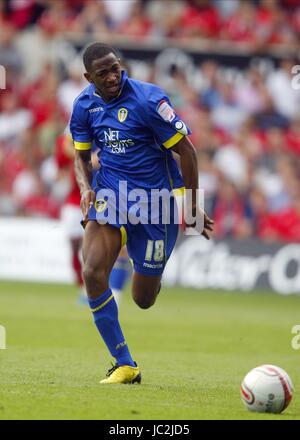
<point>134,133</point>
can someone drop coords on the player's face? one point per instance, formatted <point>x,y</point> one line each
<point>105,73</point>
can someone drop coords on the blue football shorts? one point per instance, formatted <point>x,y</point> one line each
<point>149,245</point>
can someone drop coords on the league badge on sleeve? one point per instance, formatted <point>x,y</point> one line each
<point>165,111</point>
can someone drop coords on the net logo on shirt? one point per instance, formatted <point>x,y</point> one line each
<point>114,143</point>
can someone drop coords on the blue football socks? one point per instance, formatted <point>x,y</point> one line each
<point>119,274</point>
<point>105,313</point>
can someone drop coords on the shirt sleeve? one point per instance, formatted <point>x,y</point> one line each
<point>80,130</point>
<point>166,125</point>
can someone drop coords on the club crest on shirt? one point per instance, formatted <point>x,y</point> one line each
<point>100,205</point>
<point>122,114</point>
<point>165,111</point>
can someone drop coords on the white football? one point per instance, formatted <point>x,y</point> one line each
<point>267,389</point>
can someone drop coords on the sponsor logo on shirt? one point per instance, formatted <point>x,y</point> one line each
<point>165,111</point>
<point>114,143</point>
<point>122,114</point>
<point>153,266</point>
<point>96,109</point>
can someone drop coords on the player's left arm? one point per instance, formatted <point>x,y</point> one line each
<point>189,169</point>
<point>171,133</point>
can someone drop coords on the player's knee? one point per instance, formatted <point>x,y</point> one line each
<point>89,272</point>
<point>94,275</point>
<point>144,302</point>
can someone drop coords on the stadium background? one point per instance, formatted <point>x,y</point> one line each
<point>229,69</point>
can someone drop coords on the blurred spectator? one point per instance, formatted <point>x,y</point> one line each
<point>199,19</point>
<point>20,12</point>
<point>71,87</point>
<point>165,17</point>
<point>231,161</point>
<point>208,179</point>
<point>249,93</point>
<point>210,95</point>
<point>119,10</point>
<point>228,114</point>
<point>44,39</point>
<point>204,134</point>
<point>273,23</point>
<point>287,222</point>
<point>271,179</point>
<point>261,219</point>
<point>93,18</point>
<point>240,25</point>
<point>293,136</point>
<point>9,54</point>
<point>286,99</point>
<point>269,116</point>
<point>137,24</point>
<point>227,8</point>
<point>40,96</point>
<point>230,212</point>
<point>13,118</point>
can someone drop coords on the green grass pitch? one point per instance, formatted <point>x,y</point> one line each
<point>193,347</point>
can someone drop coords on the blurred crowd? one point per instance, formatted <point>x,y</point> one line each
<point>274,21</point>
<point>245,123</point>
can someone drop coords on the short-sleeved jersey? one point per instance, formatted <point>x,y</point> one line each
<point>134,133</point>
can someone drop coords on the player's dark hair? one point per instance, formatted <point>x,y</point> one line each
<point>95,51</point>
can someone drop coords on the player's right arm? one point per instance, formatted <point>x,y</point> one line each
<point>83,173</point>
<point>82,139</point>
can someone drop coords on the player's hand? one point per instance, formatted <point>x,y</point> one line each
<point>88,198</point>
<point>203,226</point>
<point>208,226</point>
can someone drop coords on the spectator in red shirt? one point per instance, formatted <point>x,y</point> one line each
<point>200,19</point>
<point>230,212</point>
<point>240,26</point>
<point>273,23</point>
<point>40,97</point>
<point>20,12</point>
<point>263,223</point>
<point>293,137</point>
<point>288,222</point>
<point>70,213</point>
